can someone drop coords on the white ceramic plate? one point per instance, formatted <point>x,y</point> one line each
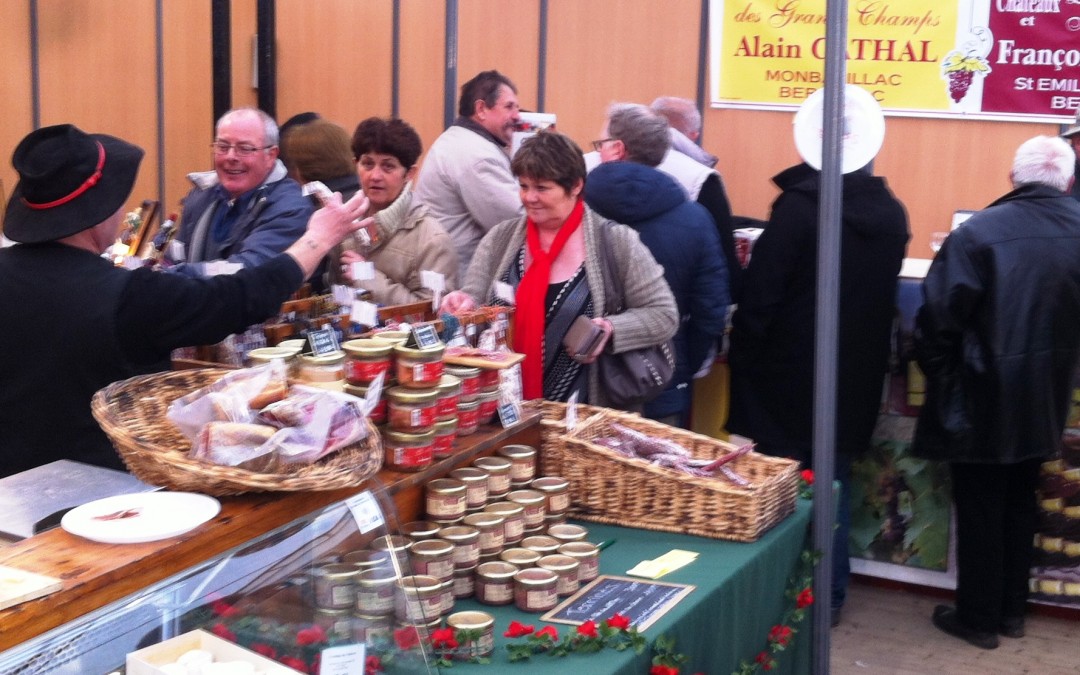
<point>138,518</point>
<point>864,128</point>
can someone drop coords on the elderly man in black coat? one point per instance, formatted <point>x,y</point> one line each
<point>998,338</point>
<point>772,338</point>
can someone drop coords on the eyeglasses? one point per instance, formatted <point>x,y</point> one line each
<point>597,145</point>
<point>241,149</point>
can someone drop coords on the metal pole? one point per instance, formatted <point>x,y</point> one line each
<point>541,74</point>
<point>35,68</point>
<point>159,39</point>
<point>267,56</point>
<point>450,77</point>
<point>221,46</point>
<point>826,326</point>
<point>395,63</point>
<point>702,62</point>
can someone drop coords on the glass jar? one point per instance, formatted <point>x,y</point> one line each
<point>372,629</point>
<point>553,519</point>
<point>513,520</point>
<point>337,623</point>
<point>262,355</point>
<point>468,413</point>
<point>446,596</point>
<point>445,499</point>
<point>393,545</point>
<point>449,394</point>
<point>489,405</point>
<point>375,592</point>
<point>489,380</point>
<point>490,526</point>
<point>567,532</point>
<point>476,483</point>
<point>495,583</point>
<point>470,380</point>
<point>522,557</point>
<point>445,435</point>
<point>418,599</point>
<point>412,410</point>
<point>365,360</point>
<point>535,590</point>
<point>480,624</point>
<point>466,541</point>
<point>542,544</point>
<point>419,530</point>
<point>498,471</point>
<point>535,504</point>
<point>522,462</point>
<point>326,371</point>
<point>557,491</point>
<point>409,452</point>
<point>378,413</point>
<point>464,583</point>
<point>419,368</point>
<point>335,586</point>
<point>433,557</point>
<point>567,569</point>
<point>368,559</point>
<point>588,557</point>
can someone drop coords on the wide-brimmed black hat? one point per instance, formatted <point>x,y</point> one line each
<point>69,181</point>
<point>1074,129</point>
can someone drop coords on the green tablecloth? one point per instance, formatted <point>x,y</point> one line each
<point>739,596</point>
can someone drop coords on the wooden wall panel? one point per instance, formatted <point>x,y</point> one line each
<point>98,72</point>
<point>244,15</point>
<point>422,63</point>
<point>15,90</point>
<point>335,58</point>
<point>603,51</point>
<point>485,43</point>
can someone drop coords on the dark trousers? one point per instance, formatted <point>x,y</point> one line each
<point>996,518</point>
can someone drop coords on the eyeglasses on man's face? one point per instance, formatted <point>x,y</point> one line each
<point>598,145</point>
<point>241,149</point>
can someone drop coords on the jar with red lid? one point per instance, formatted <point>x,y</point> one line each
<point>470,380</point>
<point>365,360</point>
<point>419,368</point>
<point>489,405</point>
<point>468,417</point>
<point>378,413</point>
<point>449,394</point>
<point>409,452</point>
<point>411,410</point>
<point>445,433</point>
<point>489,379</point>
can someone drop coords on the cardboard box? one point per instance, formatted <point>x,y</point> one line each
<point>148,661</point>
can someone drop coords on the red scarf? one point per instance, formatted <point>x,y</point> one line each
<point>531,299</point>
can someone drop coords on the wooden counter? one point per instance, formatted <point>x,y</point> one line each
<point>95,574</point>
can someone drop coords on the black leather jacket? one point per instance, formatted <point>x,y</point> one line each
<point>999,333</point>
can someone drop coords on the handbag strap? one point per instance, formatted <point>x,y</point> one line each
<point>609,266</point>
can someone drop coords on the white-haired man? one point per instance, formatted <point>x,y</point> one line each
<point>998,338</point>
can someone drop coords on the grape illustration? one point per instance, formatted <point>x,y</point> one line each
<point>959,83</point>
<point>959,70</point>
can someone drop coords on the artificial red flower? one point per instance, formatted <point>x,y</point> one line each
<point>805,598</point>
<point>294,663</point>
<point>406,638</point>
<point>663,670</point>
<point>762,658</point>
<point>311,636</point>
<point>619,621</point>
<point>264,649</point>
<point>588,629</point>
<point>808,476</point>
<point>781,635</point>
<point>443,638</point>
<point>372,665</point>
<point>222,608</point>
<point>517,629</point>
<point>222,631</point>
<point>549,631</point>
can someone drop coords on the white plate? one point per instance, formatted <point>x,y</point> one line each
<point>864,128</point>
<point>147,516</point>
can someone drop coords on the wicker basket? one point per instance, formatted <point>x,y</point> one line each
<point>606,487</point>
<point>553,430</point>
<point>132,414</point>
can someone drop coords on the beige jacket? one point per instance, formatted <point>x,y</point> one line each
<point>652,317</point>
<point>409,241</point>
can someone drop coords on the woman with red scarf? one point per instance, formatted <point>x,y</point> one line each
<point>551,264</point>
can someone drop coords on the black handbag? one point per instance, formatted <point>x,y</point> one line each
<point>633,377</point>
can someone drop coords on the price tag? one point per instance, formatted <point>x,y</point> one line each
<point>323,341</point>
<point>425,335</point>
<point>132,262</point>
<point>509,414</point>
<point>436,281</point>
<point>504,292</point>
<point>363,270</point>
<point>343,295</point>
<point>176,251</point>
<point>343,660</point>
<point>374,391</point>
<point>571,412</point>
<point>365,511</point>
<point>365,313</point>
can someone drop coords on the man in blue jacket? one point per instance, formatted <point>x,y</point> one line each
<point>247,210</point>
<point>680,234</point>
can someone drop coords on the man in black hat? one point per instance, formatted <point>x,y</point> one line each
<point>77,323</point>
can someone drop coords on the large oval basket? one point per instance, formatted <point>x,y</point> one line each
<point>132,414</point>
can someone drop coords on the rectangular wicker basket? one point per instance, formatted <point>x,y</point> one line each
<point>607,487</point>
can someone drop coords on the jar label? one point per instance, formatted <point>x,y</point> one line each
<point>559,502</point>
<point>364,372</point>
<point>470,386</point>
<point>445,506</point>
<point>444,445</point>
<point>515,528</point>
<point>478,494</point>
<point>432,371</point>
<point>376,601</point>
<point>466,554</point>
<point>497,592</point>
<point>414,458</point>
<point>447,406</point>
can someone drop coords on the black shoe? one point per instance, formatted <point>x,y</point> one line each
<point>1012,627</point>
<point>945,619</point>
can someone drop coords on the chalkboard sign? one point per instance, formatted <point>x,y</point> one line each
<point>641,601</point>
<point>425,335</point>
<point>323,341</point>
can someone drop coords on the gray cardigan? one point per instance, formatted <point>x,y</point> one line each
<point>652,316</point>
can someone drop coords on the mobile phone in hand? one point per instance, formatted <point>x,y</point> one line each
<point>582,337</point>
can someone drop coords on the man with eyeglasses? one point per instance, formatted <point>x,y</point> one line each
<point>245,211</point>
<point>465,180</point>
